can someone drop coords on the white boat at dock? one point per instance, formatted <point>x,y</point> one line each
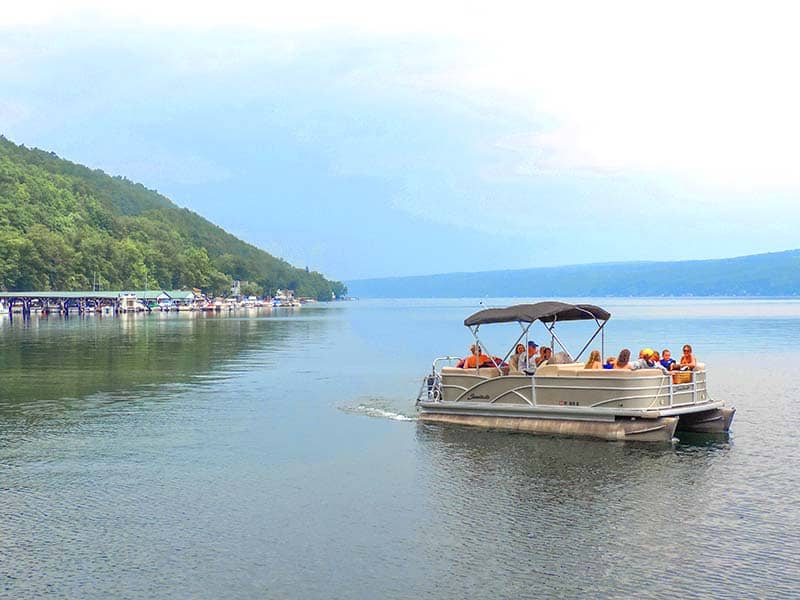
<point>131,303</point>
<point>568,399</point>
<point>285,299</point>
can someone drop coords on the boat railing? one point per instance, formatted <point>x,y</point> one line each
<point>438,363</point>
<point>667,387</point>
<point>431,386</point>
<point>681,382</point>
<point>675,389</point>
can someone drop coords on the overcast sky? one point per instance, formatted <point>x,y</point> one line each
<point>363,141</point>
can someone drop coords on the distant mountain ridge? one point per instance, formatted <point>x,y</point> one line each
<point>62,225</point>
<point>770,274</point>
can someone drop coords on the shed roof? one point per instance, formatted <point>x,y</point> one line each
<point>106,294</point>
<point>180,294</point>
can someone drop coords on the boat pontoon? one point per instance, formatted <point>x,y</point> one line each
<point>565,398</point>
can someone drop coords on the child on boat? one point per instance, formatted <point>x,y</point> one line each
<point>666,359</point>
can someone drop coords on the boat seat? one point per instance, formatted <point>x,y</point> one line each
<point>481,372</point>
<point>570,371</point>
<point>547,371</point>
<point>619,373</point>
<point>578,370</point>
<point>567,370</point>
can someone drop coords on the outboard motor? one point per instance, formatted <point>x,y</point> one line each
<point>431,381</point>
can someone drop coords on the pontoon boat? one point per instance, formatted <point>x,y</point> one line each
<point>567,399</point>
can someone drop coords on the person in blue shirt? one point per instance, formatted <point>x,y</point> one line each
<point>666,359</point>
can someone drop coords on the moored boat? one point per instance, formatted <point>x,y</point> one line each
<point>561,397</point>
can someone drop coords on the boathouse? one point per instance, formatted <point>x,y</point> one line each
<point>94,301</point>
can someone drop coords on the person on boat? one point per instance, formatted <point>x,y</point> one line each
<point>623,359</point>
<point>610,362</point>
<point>688,361</point>
<point>647,361</point>
<point>513,361</point>
<point>666,359</point>
<point>475,359</point>
<point>545,355</point>
<point>527,361</point>
<point>560,358</point>
<point>594,361</point>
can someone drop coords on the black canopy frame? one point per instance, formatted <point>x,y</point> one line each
<point>549,313</point>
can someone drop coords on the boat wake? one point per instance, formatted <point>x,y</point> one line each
<point>379,409</point>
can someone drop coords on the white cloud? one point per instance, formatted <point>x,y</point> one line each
<point>699,90</point>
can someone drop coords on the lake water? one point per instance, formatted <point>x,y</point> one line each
<point>276,455</point>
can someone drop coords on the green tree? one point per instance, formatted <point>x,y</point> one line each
<point>60,223</point>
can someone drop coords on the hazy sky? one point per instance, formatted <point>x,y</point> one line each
<point>364,141</point>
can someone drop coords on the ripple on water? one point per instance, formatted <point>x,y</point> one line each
<point>210,460</point>
<point>381,408</point>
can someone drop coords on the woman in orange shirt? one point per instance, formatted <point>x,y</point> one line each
<point>475,359</point>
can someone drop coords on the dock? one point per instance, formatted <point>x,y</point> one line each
<point>119,301</point>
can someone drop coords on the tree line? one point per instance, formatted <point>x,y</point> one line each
<point>64,227</point>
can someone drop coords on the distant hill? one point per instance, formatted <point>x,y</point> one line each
<point>773,274</point>
<point>62,224</point>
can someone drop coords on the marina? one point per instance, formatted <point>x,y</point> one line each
<point>26,303</point>
<point>82,302</point>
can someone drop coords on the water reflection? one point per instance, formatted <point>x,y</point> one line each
<point>604,517</point>
<point>48,364</point>
<point>710,441</point>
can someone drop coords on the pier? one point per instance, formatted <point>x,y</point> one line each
<point>91,301</point>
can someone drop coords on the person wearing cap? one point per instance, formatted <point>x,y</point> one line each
<point>527,362</point>
<point>647,361</point>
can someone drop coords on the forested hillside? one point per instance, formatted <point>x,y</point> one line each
<point>62,224</point>
<point>773,274</point>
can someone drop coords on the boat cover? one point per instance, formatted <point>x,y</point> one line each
<point>546,312</point>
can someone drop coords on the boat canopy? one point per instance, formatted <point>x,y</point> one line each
<point>547,312</point>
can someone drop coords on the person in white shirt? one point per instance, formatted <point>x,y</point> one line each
<point>527,362</point>
<point>646,361</point>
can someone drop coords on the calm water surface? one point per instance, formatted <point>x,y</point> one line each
<point>276,455</point>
